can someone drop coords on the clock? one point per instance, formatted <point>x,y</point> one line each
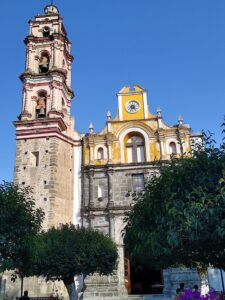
<point>132,106</point>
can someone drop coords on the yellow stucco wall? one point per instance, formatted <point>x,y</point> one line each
<point>111,135</point>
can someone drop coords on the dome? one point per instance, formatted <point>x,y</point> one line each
<point>51,9</point>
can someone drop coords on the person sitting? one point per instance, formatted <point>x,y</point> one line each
<point>25,296</point>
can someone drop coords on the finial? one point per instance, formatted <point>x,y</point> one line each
<point>108,115</point>
<point>91,128</point>
<point>180,120</point>
<point>159,115</point>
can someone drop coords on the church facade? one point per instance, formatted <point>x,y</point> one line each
<point>89,179</point>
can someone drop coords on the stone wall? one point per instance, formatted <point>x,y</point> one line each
<point>174,276</point>
<point>35,286</point>
<point>51,177</point>
<point>107,215</point>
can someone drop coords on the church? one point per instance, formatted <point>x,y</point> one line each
<point>89,179</point>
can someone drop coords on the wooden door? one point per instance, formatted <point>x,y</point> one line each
<point>127,274</point>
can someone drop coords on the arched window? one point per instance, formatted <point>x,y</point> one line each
<point>100,154</point>
<point>135,149</point>
<point>44,62</point>
<point>41,104</point>
<point>173,148</point>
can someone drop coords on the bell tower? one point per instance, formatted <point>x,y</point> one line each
<point>47,78</point>
<point>45,130</point>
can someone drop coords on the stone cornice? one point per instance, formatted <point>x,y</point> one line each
<point>40,122</point>
<point>52,37</point>
<point>31,75</point>
<point>123,166</point>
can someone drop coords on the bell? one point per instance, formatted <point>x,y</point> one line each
<point>44,68</point>
<point>41,113</point>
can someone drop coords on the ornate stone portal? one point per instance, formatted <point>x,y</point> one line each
<point>91,179</point>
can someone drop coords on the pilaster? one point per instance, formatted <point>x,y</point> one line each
<point>110,187</point>
<point>91,188</point>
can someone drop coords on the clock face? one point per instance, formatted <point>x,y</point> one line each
<point>132,106</point>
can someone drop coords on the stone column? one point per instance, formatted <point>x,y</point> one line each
<point>69,75</point>
<point>24,100</point>
<point>57,60</point>
<point>53,98</point>
<point>112,226</point>
<point>123,290</point>
<point>32,60</point>
<point>110,187</point>
<point>181,141</point>
<point>91,221</point>
<point>161,139</point>
<point>109,152</point>
<point>91,155</point>
<point>53,57</point>
<point>91,188</point>
<point>28,58</point>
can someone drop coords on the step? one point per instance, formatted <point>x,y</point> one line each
<point>131,297</point>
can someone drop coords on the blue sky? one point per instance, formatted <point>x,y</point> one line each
<point>173,48</point>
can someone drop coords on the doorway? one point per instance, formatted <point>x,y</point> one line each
<point>142,280</point>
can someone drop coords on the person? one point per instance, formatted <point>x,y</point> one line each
<point>25,296</point>
<point>195,292</point>
<point>179,291</point>
<point>181,287</point>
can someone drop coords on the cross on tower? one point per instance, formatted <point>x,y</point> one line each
<point>134,144</point>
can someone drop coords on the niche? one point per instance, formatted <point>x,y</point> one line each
<point>34,159</point>
<point>100,154</point>
<point>44,62</point>
<point>41,104</point>
<point>173,148</point>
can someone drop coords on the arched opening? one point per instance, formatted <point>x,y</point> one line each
<point>100,153</point>
<point>173,148</point>
<point>41,104</point>
<point>134,147</point>
<point>44,62</point>
<point>46,31</point>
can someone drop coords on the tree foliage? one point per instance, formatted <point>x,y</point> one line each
<point>180,218</point>
<point>20,221</point>
<point>65,252</point>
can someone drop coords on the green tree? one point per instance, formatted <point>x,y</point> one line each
<point>20,221</point>
<point>180,218</point>
<point>65,252</point>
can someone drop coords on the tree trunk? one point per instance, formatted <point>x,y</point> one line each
<point>71,289</point>
<point>21,290</point>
